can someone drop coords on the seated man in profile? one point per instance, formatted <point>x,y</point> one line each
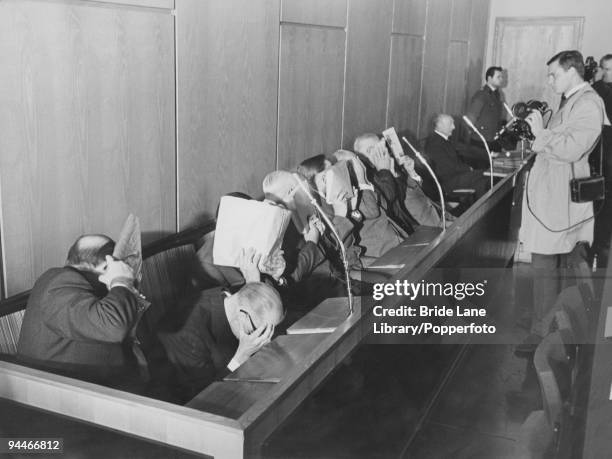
<point>451,171</point>
<point>401,191</point>
<point>215,333</point>
<point>80,319</point>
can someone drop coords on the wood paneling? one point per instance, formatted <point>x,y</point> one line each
<point>315,12</point>
<point>526,64</point>
<point>88,117</point>
<point>367,68</point>
<point>409,16</point>
<point>435,64</point>
<point>460,20</point>
<point>456,78</point>
<point>227,100</point>
<point>405,82</point>
<point>478,41</point>
<point>310,92</point>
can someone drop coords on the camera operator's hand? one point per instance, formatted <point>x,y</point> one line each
<point>534,119</point>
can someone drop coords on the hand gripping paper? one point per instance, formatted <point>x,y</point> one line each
<point>243,224</point>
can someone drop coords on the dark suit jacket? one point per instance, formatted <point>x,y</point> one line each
<point>74,326</point>
<point>393,191</point>
<point>446,162</point>
<point>198,343</point>
<point>485,111</point>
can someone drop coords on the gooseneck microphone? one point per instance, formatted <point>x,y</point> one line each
<point>486,145</point>
<point>431,172</point>
<point>314,202</point>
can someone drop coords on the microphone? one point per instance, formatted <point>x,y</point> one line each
<point>314,202</point>
<point>431,172</point>
<point>471,125</point>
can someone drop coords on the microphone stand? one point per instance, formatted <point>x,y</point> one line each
<point>314,202</point>
<point>431,172</point>
<point>486,145</point>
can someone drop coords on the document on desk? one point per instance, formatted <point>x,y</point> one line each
<point>608,327</point>
<point>275,360</point>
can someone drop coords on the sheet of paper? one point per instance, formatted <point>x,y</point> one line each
<point>243,224</point>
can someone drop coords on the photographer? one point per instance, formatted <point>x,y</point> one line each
<point>554,229</point>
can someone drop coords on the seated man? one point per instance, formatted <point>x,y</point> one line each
<point>376,232</point>
<point>390,181</point>
<point>215,333</point>
<point>79,319</point>
<point>451,171</point>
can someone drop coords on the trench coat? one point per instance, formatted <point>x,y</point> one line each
<point>547,210</point>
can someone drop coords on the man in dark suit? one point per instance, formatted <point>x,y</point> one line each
<point>451,171</point>
<point>486,109</point>
<point>79,319</point>
<point>214,333</point>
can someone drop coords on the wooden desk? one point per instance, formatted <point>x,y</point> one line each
<point>480,237</point>
<point>231,419</point>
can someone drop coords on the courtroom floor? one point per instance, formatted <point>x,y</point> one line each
<point>372,406</point>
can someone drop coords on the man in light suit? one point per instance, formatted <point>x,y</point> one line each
<point>553,228</point>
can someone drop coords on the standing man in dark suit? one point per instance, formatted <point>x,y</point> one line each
<point>451,171</point>
<point>486,109</point>
<point>80,319</point>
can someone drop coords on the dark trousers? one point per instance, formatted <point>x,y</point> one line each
<point>550,274</point>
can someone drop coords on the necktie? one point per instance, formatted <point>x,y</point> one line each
<point>563,101</point>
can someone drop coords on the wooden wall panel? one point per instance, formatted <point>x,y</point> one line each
<point>434,64</point>
<point>409,16</point>
<point>460,20</point>
<point>405,82</point>
<point>367,68</point>
<point>456,79</point>
<point>478,42</point>
<point>315,12</point>
<point>526,64</point>
<point>310,92</point>
<point>227,100</point>
<point>88,123</point>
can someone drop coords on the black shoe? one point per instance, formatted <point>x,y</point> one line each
<point>528,347</point>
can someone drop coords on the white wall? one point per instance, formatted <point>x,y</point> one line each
<point>597,15</point>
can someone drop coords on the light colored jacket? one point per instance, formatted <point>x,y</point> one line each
<point>570,137</point>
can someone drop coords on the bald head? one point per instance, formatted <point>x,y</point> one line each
<point>364,142</point>
<point>262,302</point>
<point>89,251</point>
<point>444,123</point>
<point>279,187</point>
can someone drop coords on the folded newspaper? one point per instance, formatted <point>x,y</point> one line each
<point>244,224</point>
<point>128,247</point>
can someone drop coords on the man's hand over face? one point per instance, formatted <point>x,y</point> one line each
<point>116,271</point>
<point>249,343</point>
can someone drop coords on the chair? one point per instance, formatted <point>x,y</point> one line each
<point>541,431</point>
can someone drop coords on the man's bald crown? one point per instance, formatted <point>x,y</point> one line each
<point>89,251</point>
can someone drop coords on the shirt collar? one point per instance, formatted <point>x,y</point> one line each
<point>445,137</point>
<point>491,88</point>
<point>575,89</point>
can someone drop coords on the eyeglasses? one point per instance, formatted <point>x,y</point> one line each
<point>253,327</point>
